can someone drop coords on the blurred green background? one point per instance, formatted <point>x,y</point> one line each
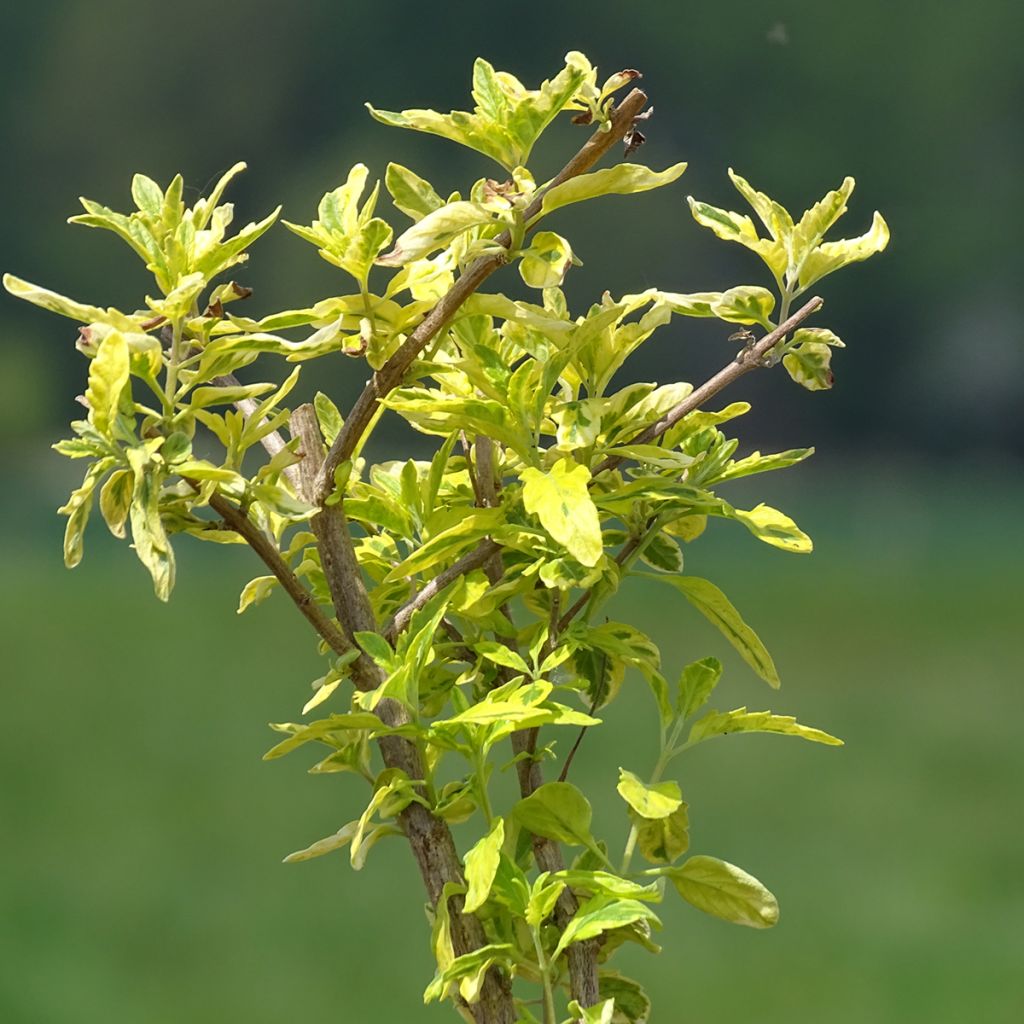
<point>139,869</point>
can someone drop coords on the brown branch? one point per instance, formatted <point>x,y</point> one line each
<point>429,836</point>
<point>751,358</point>
<point>393,372</point>
<point>238,521</point>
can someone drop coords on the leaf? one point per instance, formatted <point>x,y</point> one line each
<point>502,655</point>
<point>623,179</point>
<point>148,195</point>
<point>322,693</point>
<point>726,891</point>
<point>256,591</point>
<point>809,357</point>
<point>771,214</point>
<point>601,914</point>
<point>719,723</point>
<point>662,840</point>
<point>338,841</point>
<point>437,229</point>
<point>77,509</point>
<point>115,500</point>
<point>745,304</point>
<point>449,543</point>
<point>599,1013</point>
<point>818,219</point>
<point>108,375</point>
<point>775,528</point>
<point>658,800</point>
<point>545,263</point>
<point>508,118</point>
<point>561,501</point>
<point>631,1003</point>
<point>413,195</point>
<point>758,463</point>
<point>831,256</point>
<point>471,967</point>
<point>718,609</point>
<point>737,227</point>
<point>556,810</point>
<point>328,416</point>
<point>482,866</point>
<point>696,683</point>
<point>148,535</point>
<point>611,885</point>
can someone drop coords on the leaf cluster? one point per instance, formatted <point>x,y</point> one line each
<point>485,569</point>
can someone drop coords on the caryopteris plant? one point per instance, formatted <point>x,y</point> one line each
<point>457,602</point>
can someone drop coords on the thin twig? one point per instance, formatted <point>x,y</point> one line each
<point>475,559</point>
<point>392,373</point>
<point>751,358</point>
<point>238,521</point>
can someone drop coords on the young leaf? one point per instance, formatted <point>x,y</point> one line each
<point>561,501</point>
<point>725,891</point>
<point>108,375</point>
<point>696,682</point>
<point>775,528</point>
<point>77,509</point>
<point>831,256</point>
<point>482,866</point>
<point>338,841</point>
<point>601,914</point>
<point>557,810</point>
<point>663,840</point>
<point>745,304</point>
<point>649,801</point>
<point>623,179</point>
<point>721,723</point>
<point>719,610</point>
<point>544,264</point>
<point>437,229</point>
<point>631,1003</point>
<point>148,535</point>
<point>599,1013</point>
<point>256,591</point>
<point>414,196</point>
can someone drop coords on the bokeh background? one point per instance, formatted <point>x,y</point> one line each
<point>140,875</point>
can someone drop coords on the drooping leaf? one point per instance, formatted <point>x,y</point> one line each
<point>719,610</point>
<point>562,502</point>
<point>725,891</point>
<point>482,865</point>
<point>148,534</point>
<point>329,844</point>
<point>632,1005</point>
<point>663,840</point>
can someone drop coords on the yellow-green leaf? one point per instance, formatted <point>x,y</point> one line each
<point>544,264</point>
<point>830,256</point>
<point>725,891</point>
<point>719,610</point>
<point>623,179</point>
<point>561,501</point>
<point>658,800</point>
<point>482,866</point>
<point>108,375</point>
<point>722,723</point>
<point>662,840</point>
<point>775,528</point>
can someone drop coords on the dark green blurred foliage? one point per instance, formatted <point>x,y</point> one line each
<point>139,873</point>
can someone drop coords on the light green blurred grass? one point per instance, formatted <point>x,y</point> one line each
<point>140,875</point>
